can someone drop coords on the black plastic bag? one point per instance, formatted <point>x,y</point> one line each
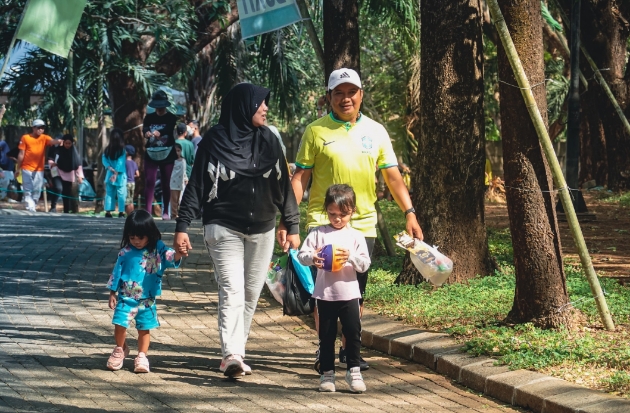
<point>295,299</point>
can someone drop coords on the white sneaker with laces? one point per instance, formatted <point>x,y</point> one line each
<point>355,380</point>
<point>327,381</point>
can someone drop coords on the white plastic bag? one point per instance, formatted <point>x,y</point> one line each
<point>274,278</point>
<point>434,266</point>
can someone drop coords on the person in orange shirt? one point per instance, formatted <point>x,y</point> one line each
<point>30,162</point>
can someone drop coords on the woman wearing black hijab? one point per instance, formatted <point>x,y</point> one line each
<point>65,167</point>
<point>241,178</point>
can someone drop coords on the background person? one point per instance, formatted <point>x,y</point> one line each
<point>132,174</point>
<point>188,148</point>
<point>179,179</point>
<point>158,128</point>
<point>193,132</point>
<point>30,162</point>
<point>344,147</point>
<point>115,163</point>
<point>241,179</point>
<point>66,167</point>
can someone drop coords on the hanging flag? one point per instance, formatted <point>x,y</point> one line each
<point>51,24</point>
<point>262,16</point>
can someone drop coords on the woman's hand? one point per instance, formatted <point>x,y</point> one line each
<point>181,243</point>
<point>112,300</point>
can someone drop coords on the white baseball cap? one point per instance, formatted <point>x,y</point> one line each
<point>343,75</point>
<point>39,122</point>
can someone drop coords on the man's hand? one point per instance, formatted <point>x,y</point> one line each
<point>112,300</point>
<point>412,227</point>
<point>181,243</point>
<point>18,171</point>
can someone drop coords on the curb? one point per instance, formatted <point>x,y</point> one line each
<point>522,388</point>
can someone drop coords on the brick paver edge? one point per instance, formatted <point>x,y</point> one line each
<point>522,388</point>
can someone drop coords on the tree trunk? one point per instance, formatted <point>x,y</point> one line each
<point>605,150</point>
<point>201,89</point>
<point>541,293</point>
<point>449,169</point>
<point>341,35</point>
<point>128,110</point>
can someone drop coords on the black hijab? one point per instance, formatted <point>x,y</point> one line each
<point>68,160</point>
<point>235,141</point>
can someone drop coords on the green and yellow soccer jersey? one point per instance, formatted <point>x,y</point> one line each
<point>338,152</point>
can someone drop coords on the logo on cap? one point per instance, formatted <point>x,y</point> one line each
<point>344,75</point>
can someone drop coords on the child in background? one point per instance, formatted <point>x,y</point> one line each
<point>179,179</point>
<point>132,174</point>
<point>114,161</point>
<point>135,283</point>
<point>337,293</point>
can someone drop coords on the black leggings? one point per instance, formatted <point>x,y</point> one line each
<point>64,188</point>
<point>348,313</point>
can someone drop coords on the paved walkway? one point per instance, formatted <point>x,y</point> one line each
<point>56,335</point>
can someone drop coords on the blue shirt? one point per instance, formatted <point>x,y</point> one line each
<point>138,273</point>
<point>132,167</point>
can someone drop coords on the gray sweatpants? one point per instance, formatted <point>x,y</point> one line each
<point>240,268</point>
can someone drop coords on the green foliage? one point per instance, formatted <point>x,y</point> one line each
<point>111,33</point>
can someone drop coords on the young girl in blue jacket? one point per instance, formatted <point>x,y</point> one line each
<point>134,285</point>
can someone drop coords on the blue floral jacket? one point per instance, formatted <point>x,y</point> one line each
<point>138,273</point>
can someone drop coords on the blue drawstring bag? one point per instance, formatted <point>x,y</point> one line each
<point>86,193</point>
<point>303,272</point>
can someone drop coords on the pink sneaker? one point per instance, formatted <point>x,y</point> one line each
<point>232,366</point>
<point>165,217</point>
<point>117,358</point>
<point>141,363</point>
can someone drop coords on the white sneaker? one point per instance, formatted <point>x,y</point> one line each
<point>355,380</point>
<point>327,381</point>
<point>246,370</point>
<point>232,366</point>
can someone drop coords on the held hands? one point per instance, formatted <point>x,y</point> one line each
<point>181,244</point>
<point>285,240</point>
<point>112,300</point>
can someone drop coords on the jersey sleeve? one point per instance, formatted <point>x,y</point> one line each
<point>386,154</point>
<point>22,145</point>
<point>307,150</point>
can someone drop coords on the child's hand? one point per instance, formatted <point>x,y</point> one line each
<point>178,255</point>
<point>342,255</point>
<point>112,300</point>
<point>317,260</point>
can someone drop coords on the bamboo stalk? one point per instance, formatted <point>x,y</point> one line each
<point>312,33</point>
<point>558,178</point>
<point>600,79</point>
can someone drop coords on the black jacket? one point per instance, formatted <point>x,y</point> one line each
<point>244,204</point>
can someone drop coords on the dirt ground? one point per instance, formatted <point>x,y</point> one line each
<point>607,237</point>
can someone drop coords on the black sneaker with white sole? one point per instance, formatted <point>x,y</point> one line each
<point>342,359</point>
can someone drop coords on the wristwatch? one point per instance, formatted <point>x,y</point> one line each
<point>410,211</point>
